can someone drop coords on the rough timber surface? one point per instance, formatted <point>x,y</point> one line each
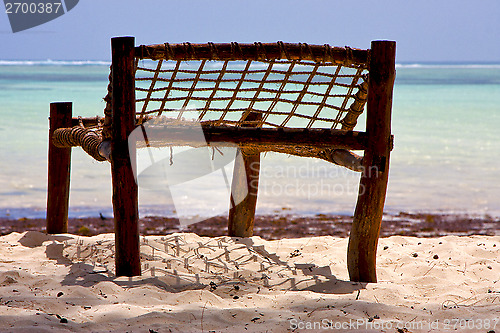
<point>256,51</point>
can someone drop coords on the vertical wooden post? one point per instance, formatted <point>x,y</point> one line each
<point>59,170</point>
<point>125,200</point>
<point>363,240</point>
<point>245,176</point>
<point>245,181</point>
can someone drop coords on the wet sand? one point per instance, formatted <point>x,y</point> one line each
<point>271,227</point>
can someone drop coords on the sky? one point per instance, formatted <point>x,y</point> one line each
<point>425,30</point>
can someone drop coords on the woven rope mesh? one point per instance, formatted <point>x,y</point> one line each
<point>278,93</point>
<point>259,85</point>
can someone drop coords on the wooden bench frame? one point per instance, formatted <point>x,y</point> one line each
<point>376,143</point>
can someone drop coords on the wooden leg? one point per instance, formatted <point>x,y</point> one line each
<point>125,192</point>
<point>363,240</point>
<point>242,212</point>
<point>125,210</point>
<point>59,169</point>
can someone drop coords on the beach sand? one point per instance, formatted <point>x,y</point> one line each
<point>190,283</point>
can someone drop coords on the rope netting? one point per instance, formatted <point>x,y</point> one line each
<point>257,85</point>
<point>278,93</point>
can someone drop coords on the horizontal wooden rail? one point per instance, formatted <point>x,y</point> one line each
<point>330,145</point>
<point>87,122</point>
<point>172,135</point>
<point>256,137</point>
<point>255,51</point>
<point>93,121</point>
<point>318,137</point>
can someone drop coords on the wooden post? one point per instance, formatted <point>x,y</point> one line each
<point>363,240</point>
<point>245,180</point>
<point>245,176</point>
<point>59,170</point>
<point>125,200</point>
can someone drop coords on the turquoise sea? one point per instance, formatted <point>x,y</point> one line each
<point>446,120</point>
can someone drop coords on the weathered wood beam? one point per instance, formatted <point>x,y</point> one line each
<point>59,170</point>
<point>245,136</point>
<point>363,239</point>
<point>255,51</point>
<point>244,188</point>
<point>125,193</point>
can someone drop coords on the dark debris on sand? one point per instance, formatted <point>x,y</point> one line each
<point>282,226</point>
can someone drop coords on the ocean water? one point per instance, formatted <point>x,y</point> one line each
<point>445,160</point>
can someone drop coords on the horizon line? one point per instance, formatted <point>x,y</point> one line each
<point>76,62</point>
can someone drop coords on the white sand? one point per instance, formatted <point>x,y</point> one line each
<point>427,285</point>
